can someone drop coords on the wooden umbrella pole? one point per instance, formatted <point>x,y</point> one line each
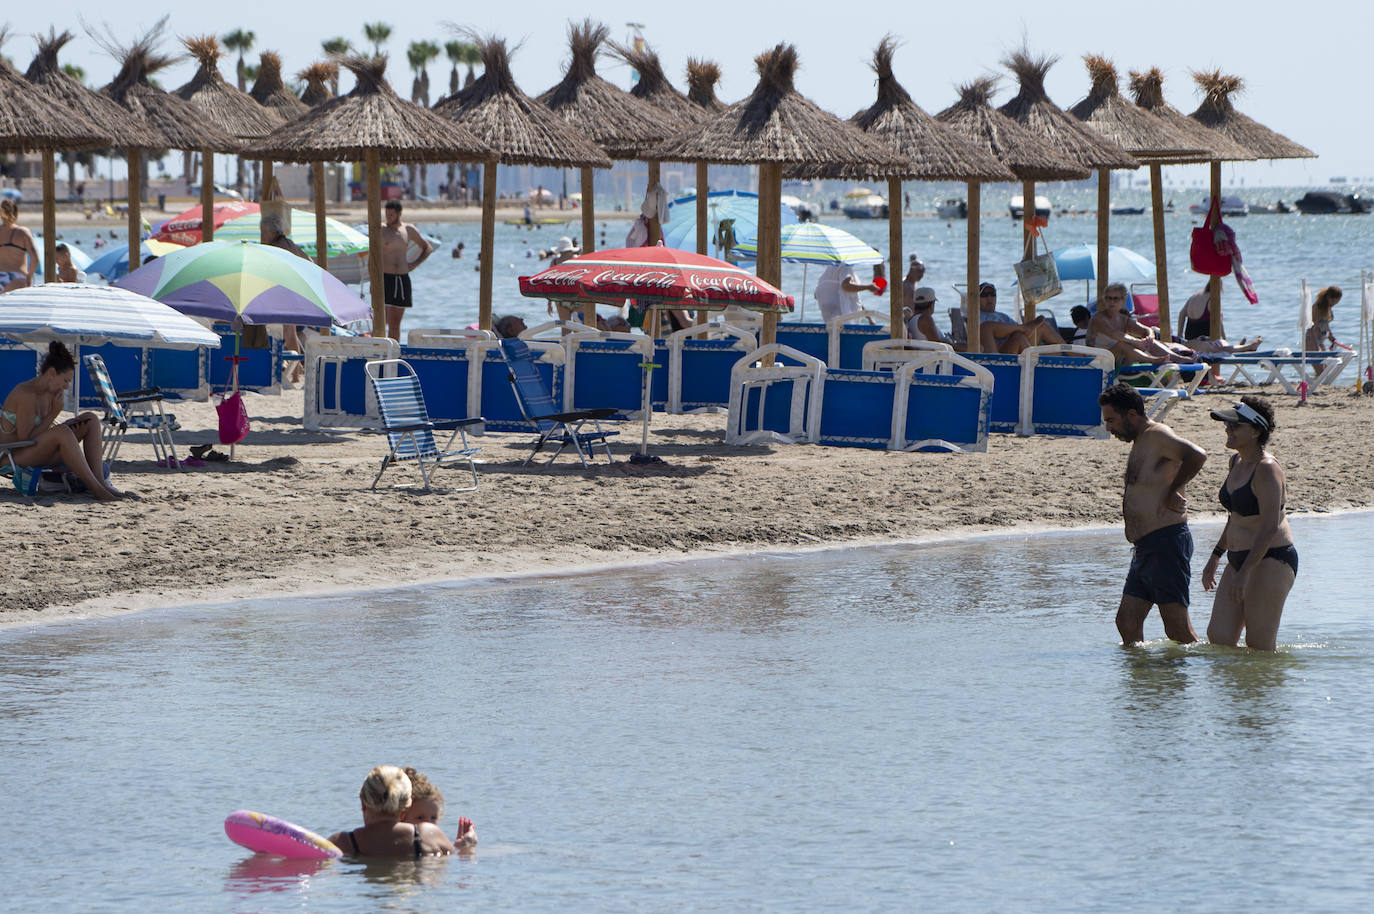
<point>703,229</point>
<point>49,216</point>
<point>655,226</point>
<point>975,223</point>
<point>372,165</point>
<point>1214,287</point>
<point>769,263</point>
<point>135,214</point>
<point>1027,235</point>
<point>321,230</point>
<point>588,234</point>
<point>894,258</point>
<point>1104,211</point>
<point>207,196</point>
<point>1161,253</point>
<point>488,259</point>
<point>265,184</point>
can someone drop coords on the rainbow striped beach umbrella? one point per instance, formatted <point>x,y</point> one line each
<point>339,239</point>
<point>812,242</point>
<point>254,283</point>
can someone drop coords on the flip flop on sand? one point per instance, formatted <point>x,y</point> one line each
<point>207,452</point>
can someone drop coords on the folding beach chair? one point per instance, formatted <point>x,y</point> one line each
<point>408,428</point>
<point>1145,299</point>
<point>25,479</point>
<point>133,409</point>
<point>538,407</point>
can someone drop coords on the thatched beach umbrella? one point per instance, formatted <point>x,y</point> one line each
<point>702,76</point>
<point>370,123</point>
<point>1150,139</point>
<point>270,91</point>
<point>232,111</point>
<point>175,119</point>
<point>1030,157</point>
<point>1217,112</point>
<point>622,125</point>
<point>318,77</point>
<point>520,131</point>
<point>936,153</point>
<point>1031,108</point>
<point>125,130</point>
<point>778,128</point>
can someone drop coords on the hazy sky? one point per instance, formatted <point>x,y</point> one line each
<point>1305,74</point>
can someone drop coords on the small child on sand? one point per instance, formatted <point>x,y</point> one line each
<point>427,805</point>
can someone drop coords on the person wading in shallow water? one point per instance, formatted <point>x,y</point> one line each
<point>1156,516</point>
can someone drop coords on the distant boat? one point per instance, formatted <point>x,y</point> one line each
<point>1324,202</point>
<point>1042,206</point>
<point>953,208</point>
<point>1230,206</point>
<point>871,206</point>
<point>1128,210</point>
<point>1265,208</point>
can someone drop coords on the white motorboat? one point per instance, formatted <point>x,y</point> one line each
<point>953,208</point>
<point>871,206</point>
<point>1042,206</point>
<point>1231,205</point>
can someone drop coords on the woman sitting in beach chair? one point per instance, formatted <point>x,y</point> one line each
<point>30,414</point>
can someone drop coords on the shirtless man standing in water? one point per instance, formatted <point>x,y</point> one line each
<point>396,239</point>
<point>1156,515</point>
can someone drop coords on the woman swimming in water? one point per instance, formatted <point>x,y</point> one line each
<point>385,797</point>
<point>1261,561</point>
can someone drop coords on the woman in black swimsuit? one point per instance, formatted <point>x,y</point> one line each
<point>385,796</point>
<point>1261,561</point>
<point>18,255</point>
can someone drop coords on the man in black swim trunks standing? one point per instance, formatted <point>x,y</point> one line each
<point>396,267</point>
<point>1156,514</point>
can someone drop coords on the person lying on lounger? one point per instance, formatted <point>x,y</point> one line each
<point>30,414</point>
<point>1114,329</point>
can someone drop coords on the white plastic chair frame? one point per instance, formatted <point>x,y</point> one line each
<point>835,326</point>
<point>440,338</point>
<point>750,373</point>
<point>942,363</point>
<point>677,341</point>
<point>1101,359</point>
<point>890,355</point>
<point>320,350</point>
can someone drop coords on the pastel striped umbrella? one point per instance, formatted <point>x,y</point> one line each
<point>812,242</point>
<point>94,315</point>
<point>114,263</point>
<point>339,239</point>
<point>257,283</point>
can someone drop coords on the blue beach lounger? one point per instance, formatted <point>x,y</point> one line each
<point>539,409</point>
<point>408,429</point>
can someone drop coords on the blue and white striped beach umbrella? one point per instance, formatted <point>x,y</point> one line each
<point>95,315</point>
<point>812,242</point>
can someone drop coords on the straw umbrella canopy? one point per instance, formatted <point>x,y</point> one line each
<point>318,77</point>
<point>1152,140</point>
<point>125,130</point>
<point>270,92</point>
<point>35,121</point>
<point>936,153</point>
<point>702,76</point>
<point>520,131</point>
<point>232,111</point>
<point>1217,112</point>
<point>622,125</point>
<point>370,123</point>
<point>777,127</point>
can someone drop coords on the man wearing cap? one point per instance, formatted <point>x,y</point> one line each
<point>397,237</point>
<point>1155,512</point>
<point>920,317</point>
<point>1000,333</point>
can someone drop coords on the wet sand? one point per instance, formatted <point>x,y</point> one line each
<point>293,514</point>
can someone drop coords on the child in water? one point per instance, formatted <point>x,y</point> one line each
<point>427,805</point>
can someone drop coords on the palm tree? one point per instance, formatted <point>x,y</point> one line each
<point>336,47</point>
<point>85,158</point>
<point>418,55</point>
<point>473,56</point>
<point>456,55</point>
<point>377,33</point>
<point>240,40</point>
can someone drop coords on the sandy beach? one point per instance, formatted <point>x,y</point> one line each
<point>293,514</point>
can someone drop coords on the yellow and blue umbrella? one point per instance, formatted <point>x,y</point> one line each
<point>680,231</point>
<point>248,282</point>
<point>339,239</point>
<point>812,242</point>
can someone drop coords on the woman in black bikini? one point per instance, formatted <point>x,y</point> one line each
<point>18,255</point>
<point>1261,561</point>
<point>385,797</point>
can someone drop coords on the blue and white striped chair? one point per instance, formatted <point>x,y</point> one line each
<point>133,409</point>
<point>409,431</point>
<point>537,405</point>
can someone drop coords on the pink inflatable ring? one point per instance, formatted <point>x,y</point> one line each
<point>270,835</point>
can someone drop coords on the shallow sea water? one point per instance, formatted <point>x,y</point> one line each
<point>942,727</point>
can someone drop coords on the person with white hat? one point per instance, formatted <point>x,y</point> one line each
<point>920,317</point>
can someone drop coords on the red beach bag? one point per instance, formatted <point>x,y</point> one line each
<point>1210,253</point>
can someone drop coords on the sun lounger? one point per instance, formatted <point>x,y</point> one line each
<point>133,409</point>
<point>698,365</point>
<point>1282,368</point>
<point>409,430</point>
<point>541,411</point>
<point>1059,390</point>
<point>778,402</point>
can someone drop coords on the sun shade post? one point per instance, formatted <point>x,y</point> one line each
<point>588,234</point>
<point>655,227</point>
<point>488,260</point>
<point>894,257</point>
<point>266,182</point>
<point>975,222</point>
<point>49,215</point>
<point>134,156</point>
<point>321,229</point>
<point>207,196</point>
<point>769,263</point>
<point>1161,254</point>
<point>1215,285</point>
<point>1104,209</point>
<point>703,233</point>
<point>373,178</point>
<point>1027,236</point>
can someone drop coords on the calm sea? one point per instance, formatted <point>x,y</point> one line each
<point>945,727</point>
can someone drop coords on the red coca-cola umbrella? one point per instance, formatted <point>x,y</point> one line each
<point>185,228</point>
<point>658,277</point>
